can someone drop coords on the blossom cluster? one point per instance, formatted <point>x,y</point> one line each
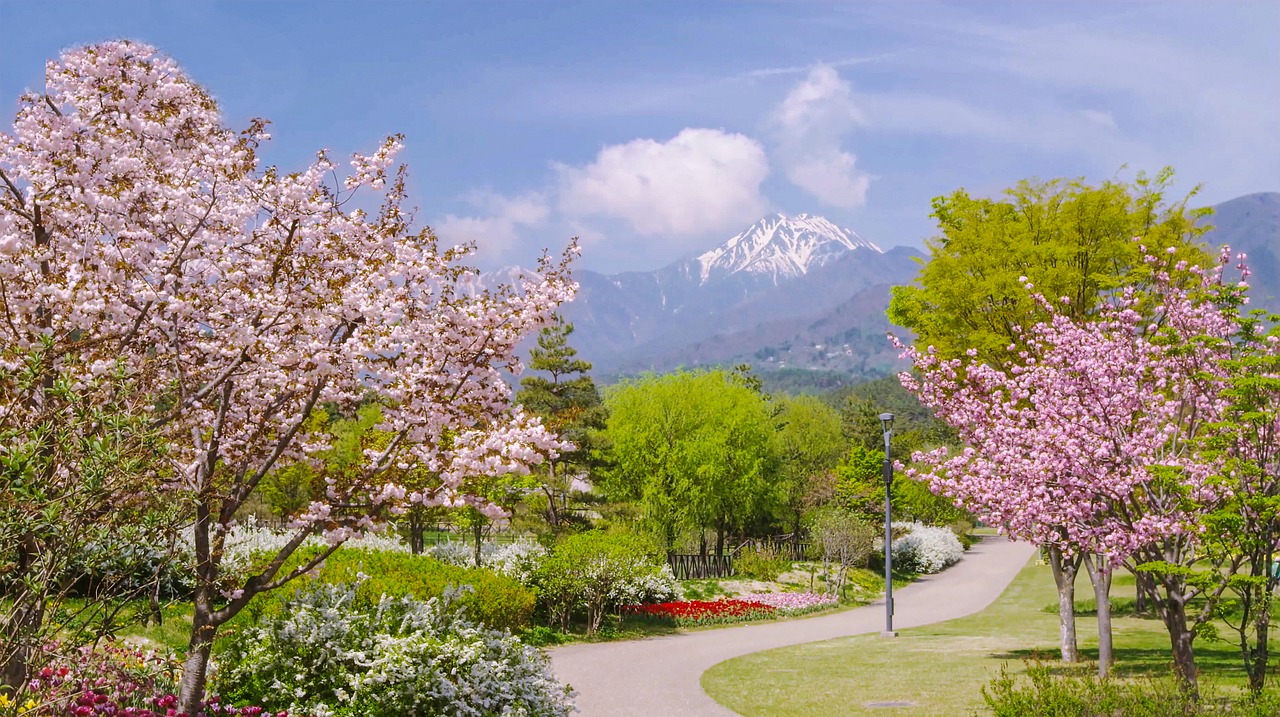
<point>1088,437</point>
<point>521,559</point>
<point>926,549</point>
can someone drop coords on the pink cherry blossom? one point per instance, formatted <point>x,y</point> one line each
<point>139,233</point>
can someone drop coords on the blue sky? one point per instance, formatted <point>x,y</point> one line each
<point>658,129</point>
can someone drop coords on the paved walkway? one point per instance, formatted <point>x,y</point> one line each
<point>660,676</point>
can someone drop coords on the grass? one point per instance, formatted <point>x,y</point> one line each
<point>940,669</point>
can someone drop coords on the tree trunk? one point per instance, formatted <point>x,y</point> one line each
<point>1064,577</point>
<point>477,531</point>
<point>1173,610</point>
<point>196,666</point>
<point>553,517</point>
<point>1184,656</point>
<point>1100,575</point>
<point>720,530</point>
<point>1260,655</point>
<point>23,626</point>
<point>417,532</point>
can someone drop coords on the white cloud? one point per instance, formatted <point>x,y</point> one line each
<point>811,124</point>
<point>1098,117</point>
<point>497,229</point>
<point>701,180</point>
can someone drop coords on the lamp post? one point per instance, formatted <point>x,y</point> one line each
<point>886,423</point>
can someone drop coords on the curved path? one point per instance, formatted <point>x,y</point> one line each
<point>661,676</point>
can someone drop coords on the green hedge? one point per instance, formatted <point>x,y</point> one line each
<point>496,600</point>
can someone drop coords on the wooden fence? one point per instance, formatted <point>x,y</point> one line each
<point>695,566</point>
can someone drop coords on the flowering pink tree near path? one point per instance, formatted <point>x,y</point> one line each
<point>1089,444</point>
<point>139,234</point>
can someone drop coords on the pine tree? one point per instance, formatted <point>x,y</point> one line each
<point>569,404</point>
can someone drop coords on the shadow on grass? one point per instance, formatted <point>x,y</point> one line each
<point>1212,660</point>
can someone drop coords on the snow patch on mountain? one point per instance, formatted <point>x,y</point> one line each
<point>781,247</point>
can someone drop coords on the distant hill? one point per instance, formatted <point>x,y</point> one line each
<point>1251,224</point>
<point>803,300</point>
<point>787,292</point>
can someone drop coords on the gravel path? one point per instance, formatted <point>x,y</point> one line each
<point>660,676</point>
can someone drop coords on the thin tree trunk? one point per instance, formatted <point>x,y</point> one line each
<point>1100,575</point>
<point>196,666</point>
<point>553,517</point>
<point>477,531</point>
<point>1173,611</point>
<point>1260,655</point>
<point>1064,577</point>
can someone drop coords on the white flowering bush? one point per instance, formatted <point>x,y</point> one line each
<point>456,552</point>
<point>926,548</point>
<point>645,584</point>
<point>327,656</point>
<point>519,560</point>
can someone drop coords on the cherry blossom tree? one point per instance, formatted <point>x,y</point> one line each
<point>1090,443</point>
<point>139,234</point>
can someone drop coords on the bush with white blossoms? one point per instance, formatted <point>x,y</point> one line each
<point>325,656</point>
<point>518,561</point>
<point>926,548</point>
<point>645,585</point>
<point>456,552</point>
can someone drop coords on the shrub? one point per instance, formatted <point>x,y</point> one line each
<point>1041,693</point>
<point>496,601</point>
<point>519,560</point>
<point>330,654</point>
<point>926,548</point>
<point>760,562</point>
<point>592,571</point>
<point>841,537</point>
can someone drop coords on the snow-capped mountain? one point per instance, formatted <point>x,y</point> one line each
<point>781,248</point>
<point>782,272</point>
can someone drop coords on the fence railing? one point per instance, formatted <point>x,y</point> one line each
<point>798,550</point>
<point>696,567</point>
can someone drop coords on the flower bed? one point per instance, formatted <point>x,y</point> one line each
<point>794,603</point>
<point>704,612</point>
<point>116,679</point>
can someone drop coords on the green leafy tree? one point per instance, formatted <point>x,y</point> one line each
<point>1070,239</point>
<point>570,404</point>
<point>810,443</point>
<point>1242,534</point>
<point>1074,242</point>
<point>696,450</point>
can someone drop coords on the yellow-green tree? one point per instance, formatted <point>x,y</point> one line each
<point>695,450</point>
<point>1074,241</point>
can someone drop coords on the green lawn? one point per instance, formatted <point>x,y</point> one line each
<point>940,669</point>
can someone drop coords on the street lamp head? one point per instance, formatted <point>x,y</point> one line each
<point>886,422</point>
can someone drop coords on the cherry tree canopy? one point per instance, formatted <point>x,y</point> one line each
<point>140,237</point>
